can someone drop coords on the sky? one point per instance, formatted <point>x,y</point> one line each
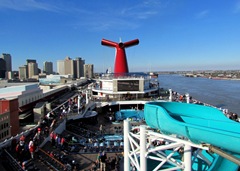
<point>174,35</point>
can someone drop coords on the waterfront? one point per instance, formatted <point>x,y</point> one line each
<point>219,93</point>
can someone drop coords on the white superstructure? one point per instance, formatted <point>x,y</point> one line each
<point>127,87</point>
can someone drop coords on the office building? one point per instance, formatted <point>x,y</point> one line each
<point>88,70</point>
<point>8,59</point>
<point>48,67</point>
<point>79,67</point>
<point>60,67</point>
<point>23,73</point>
<point>9,75</point>
<point>73,68</point>
<point>2,68</point>
<point>69,67</point>
<point>32,69</point>
<point>31,61</point>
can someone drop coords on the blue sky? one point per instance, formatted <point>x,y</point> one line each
<point>174,35</point>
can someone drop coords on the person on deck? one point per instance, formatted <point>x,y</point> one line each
<point>103,160</point>
<point>31,148</point>
<point>101,129</point>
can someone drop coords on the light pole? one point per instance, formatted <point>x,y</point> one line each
<point>170,94</point>
<point>10,130</point>
<point>86,96</point>
<point>187,98</point>
<point>79,103</point>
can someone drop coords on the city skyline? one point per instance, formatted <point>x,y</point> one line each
<point>173,35</point>
<point>72,67</point>
<point>43,67</point>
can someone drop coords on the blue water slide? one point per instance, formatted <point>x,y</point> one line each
<point>200,124</point>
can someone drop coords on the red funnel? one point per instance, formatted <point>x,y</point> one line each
<point>121,65</point>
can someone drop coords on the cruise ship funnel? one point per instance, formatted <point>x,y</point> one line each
<point>121,65</point>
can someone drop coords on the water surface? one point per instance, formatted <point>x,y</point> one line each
<point>220,93</point>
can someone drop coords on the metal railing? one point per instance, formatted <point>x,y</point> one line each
<point>11,161</point>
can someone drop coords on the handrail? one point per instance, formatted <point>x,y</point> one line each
<point>51,157</point>
<point>14,161</point>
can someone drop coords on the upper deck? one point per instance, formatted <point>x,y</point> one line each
<point>130,83</point>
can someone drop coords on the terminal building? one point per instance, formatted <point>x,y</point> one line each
<point>17,103</point>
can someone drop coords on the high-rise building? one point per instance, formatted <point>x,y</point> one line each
<point>2,68</point>
<point>32,69</point>
<point>74,68</point>
<point>8,59</point>
<point>31,61</point>
<point>23,74</point>
<point>88,70</point>
<point>60,67</point>
<point>9,75</point>
<point>69,67</point>
<point>79,67</point>
<point>48,67</point>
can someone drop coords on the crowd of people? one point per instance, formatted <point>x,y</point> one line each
<point>104,163</point>
<point>26,147</point>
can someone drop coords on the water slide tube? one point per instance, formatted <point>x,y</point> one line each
<point>200,124</point>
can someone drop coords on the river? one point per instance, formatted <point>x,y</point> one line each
<point>223,94</point>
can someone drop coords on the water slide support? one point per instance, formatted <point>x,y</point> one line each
<point>199,124</point>
<point>143,159</point>
<point>224,154</point>
<point>126,145</point>
<point>187,157</point>
<point>143,149</point>
<point>187,150</point>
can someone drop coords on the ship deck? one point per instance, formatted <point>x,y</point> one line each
<point>84,157</point>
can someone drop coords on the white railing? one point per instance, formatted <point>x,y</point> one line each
<point>139,146</point>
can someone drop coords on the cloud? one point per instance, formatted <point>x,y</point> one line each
<point>202,14</point>
<point>124,17</point>
<point>27,5</point>
<point>103,23</point>
<point>131,16</point>
<point>100,17</point>
<point>143,10</point>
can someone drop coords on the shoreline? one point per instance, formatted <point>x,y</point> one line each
<point>220,78</point>
<point>214,78</point>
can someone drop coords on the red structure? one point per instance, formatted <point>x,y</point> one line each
<point>9,122</point>
<point>121,65</point>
